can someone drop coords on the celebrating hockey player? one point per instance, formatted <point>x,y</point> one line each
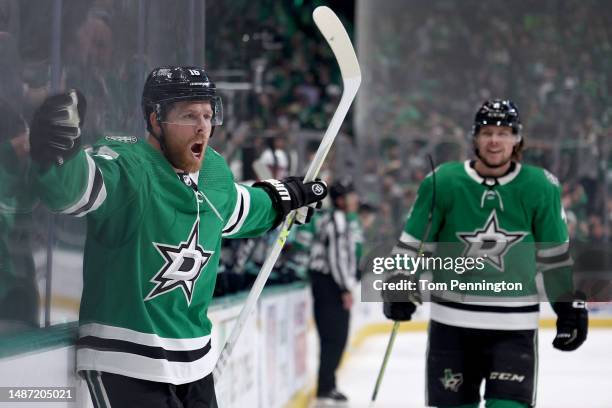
<point>156,212</point>
<point>510,215</point>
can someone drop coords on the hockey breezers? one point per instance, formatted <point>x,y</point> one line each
<point>336,36</point>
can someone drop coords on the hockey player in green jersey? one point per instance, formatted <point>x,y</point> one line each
<point>156,212</point>
<point>510,215</point>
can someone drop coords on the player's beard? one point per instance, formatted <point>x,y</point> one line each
<point>182,157</point>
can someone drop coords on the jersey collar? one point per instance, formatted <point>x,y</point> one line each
<point>189,179</point>
<point>505,179</point>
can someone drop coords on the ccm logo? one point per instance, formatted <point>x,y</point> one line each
<point>506,376</point>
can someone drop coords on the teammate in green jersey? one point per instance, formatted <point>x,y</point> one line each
<point>156,212</point>
<point>510,215</point>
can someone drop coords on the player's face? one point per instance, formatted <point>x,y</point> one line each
<point>187,128</point>
<point>495,145</point>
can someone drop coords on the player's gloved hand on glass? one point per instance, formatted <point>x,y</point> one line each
<point>572,321</point>
<point>55,134</point>
<point>400,304</point>
<point>292,193</point>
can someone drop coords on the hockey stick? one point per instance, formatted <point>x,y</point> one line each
<point>336,36</point>
<point>384,363</point>
<point>396,324</point>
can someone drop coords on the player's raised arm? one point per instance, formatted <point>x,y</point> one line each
<point>65,173</point>
<point>70,179</point>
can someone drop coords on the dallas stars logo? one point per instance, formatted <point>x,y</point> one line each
<point>451,381</point>
<point>491,242</point>
<point>182,268</point>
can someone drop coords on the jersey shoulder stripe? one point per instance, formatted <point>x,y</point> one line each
<point>93,194</point>
<point>240,212</point>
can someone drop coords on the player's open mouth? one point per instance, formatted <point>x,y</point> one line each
<point>197,149</point>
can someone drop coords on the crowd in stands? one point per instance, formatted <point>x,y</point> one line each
<point>434,63</point>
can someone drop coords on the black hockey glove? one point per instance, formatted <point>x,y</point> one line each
<point>292,194</point>
<point>572,322</point>
<point>400,304</point>
<point>55,135</point>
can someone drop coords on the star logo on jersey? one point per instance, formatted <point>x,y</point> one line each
<point>182,268</point>
<point>491,242</point>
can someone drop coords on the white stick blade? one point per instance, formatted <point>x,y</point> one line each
<point>336,36</point>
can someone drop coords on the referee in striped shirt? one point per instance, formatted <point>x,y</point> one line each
<point>329,247</point>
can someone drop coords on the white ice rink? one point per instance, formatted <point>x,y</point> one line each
<point>579,379</point>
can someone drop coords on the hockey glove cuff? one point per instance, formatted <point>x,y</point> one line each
<point>400,296</point>
<point>572,322</point>
<point>292,193</point>
<point>55,135</point>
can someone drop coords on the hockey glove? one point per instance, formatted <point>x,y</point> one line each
<point>55,135</point>
<point>292,194</point>
<point>572,322</point>
<point>399,302</point>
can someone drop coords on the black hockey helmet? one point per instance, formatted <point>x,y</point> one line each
<point>341,188</point>
<point>497,112</point>
<point>169,84</point>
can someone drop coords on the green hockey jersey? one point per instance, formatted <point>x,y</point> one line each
<point>151,254</point>
<point>515,224</point>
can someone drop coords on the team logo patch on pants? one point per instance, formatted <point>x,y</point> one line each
<point>451,381</point>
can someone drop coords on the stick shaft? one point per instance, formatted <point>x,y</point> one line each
<point>266,269</point>
<point>383,367</point>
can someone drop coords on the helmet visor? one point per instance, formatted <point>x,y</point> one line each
<point>215,103</point>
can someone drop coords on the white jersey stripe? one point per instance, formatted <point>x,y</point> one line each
<point>91,172</point>
<point>237,219</point>
<point>103,393</point>
<point>92,389</point>
<point>515,301</point>
<point>151,369</point>
<point>246,197</point>
<point>99,200</point>
<point>147,339</point>
<point>233,219</point>
<point>398,250</point>
<point>408,239</point>
<point>484,320</point>
<point>554,251</point>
